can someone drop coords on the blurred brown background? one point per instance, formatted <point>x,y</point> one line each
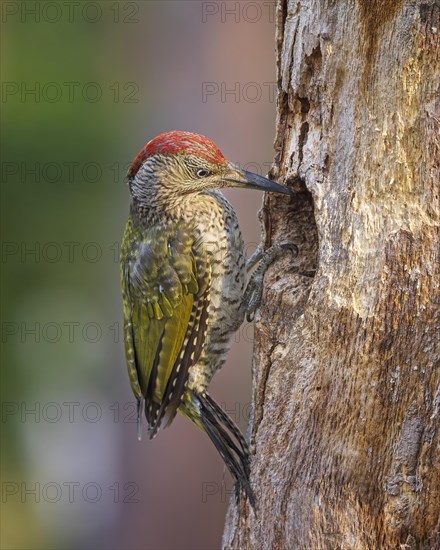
<point>84,86</point>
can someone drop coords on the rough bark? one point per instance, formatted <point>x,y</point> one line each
<point>345,429</point>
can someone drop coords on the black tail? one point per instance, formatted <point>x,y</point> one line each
<point>228,440</point>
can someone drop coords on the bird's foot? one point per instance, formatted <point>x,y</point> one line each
<point>254,290</point>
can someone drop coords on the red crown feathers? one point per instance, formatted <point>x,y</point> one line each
<point>175,142</point>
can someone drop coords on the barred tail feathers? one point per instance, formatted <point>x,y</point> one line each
<point>225,435</point>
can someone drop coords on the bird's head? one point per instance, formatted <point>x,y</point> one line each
<point>176,164</point>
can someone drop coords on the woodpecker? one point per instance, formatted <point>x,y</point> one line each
<point>183,275</point>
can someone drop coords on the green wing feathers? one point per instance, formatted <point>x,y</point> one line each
<point>165,282</point>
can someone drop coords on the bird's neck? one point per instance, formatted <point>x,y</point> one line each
<point>185,207</point>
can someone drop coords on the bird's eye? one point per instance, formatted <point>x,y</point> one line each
<point>202,173</point>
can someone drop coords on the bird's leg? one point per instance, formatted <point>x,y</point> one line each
<point>254,290</point>
<point>256,256</point>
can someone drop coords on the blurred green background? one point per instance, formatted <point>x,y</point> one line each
<point>84,86</point>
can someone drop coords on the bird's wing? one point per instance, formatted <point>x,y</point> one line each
<point>166,282</point>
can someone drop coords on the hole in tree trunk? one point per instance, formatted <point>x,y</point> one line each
<point>293,220</point>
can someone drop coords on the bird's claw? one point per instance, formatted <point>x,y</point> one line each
<point>254,290</point>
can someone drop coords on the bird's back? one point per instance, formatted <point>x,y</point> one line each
<point>183,280</point>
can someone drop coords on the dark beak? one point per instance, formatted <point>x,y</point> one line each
<point>249,180</point>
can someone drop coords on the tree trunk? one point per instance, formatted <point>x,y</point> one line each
<point>345,429</point>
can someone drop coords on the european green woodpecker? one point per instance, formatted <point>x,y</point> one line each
<point>183,275</point>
